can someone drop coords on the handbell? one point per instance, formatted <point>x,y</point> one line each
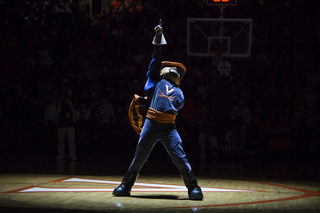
<point>159,40</point>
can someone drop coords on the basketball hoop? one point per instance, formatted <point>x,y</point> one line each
<point>218,53</point>
<point>217,56</point>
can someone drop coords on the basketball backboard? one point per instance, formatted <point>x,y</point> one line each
<point>207,37</point>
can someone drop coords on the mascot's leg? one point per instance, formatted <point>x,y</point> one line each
<point>125,187</point>
<point>194,191</point>
<point>173,144</point>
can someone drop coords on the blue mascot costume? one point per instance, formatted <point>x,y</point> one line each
<point>164,99</point>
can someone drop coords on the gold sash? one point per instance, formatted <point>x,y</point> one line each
<point>160,116</point>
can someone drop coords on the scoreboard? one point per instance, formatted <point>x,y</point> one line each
<point>222,2</point>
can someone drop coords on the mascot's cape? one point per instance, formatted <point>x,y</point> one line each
<point>137,112</point>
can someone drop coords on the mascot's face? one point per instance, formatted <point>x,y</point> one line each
<point>171,73</point>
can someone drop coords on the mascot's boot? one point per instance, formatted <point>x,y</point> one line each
<point>194,191</point>
<point>125,187</point>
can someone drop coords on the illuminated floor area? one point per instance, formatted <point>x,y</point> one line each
<point>33,181</point>
<point>62,193</point>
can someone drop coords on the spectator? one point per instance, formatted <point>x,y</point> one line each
<point>188,115</point>
<point>83,115</point>
<point>207,131</point>
<point>280,141</point>
<point>55,9</point>
<point>9,121</point>
<point>240,116</point>
<point>272,97</point>
<point>37,112</point>
<point>244,92</point>
<point>286,93</point>
<point>66,126</point>
<point>298,105</point>
<point>105,119</point>
<point>267,132</point>
<point>314,145</point>
<point>311,100</point>
<point>51,122</point>
<point>23,122</point>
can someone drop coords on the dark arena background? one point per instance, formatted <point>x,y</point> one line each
<point>261,56</point>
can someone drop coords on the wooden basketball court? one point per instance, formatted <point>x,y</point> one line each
<point>37,183</point>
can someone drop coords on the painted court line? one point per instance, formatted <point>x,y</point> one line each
<point>151,187</point>
<point>46,189</point>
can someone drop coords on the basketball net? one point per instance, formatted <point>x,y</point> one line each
<point>217,56</point>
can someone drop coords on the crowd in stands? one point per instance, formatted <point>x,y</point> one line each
<point>47,50</point>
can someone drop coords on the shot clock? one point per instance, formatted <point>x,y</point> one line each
<point>222,2</point>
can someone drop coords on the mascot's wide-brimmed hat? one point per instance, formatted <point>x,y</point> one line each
<point>180,67</point>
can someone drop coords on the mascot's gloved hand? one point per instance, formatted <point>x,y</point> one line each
<point>158,30</point>
<point>159,37</point>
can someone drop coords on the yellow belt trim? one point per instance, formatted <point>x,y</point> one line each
<point>160,116</point>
